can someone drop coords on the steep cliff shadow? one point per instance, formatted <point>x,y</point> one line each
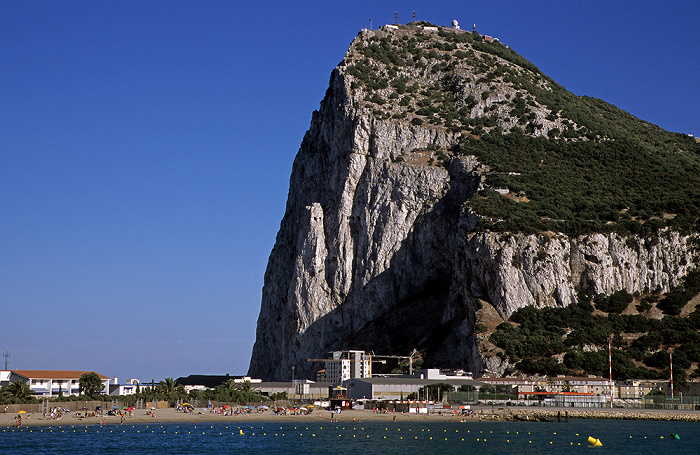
<point>425,307</point>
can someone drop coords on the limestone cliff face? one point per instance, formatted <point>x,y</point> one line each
<point>376,249</point>
<point>513,271</point>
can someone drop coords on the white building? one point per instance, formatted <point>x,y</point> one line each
<point>434,373</point>
<point>298,389</point>
<point>49,383</point>
<point>247,379</point>
<point>199,388</point>
<point>7,377</point>
<point>344,365</point>
<point>530,386</point>
<point>395,388</point>
<point>131,387</point>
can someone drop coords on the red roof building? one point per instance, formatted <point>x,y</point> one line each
<point>57,382</point>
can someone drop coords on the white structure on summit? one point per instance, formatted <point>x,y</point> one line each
<point>455,24</point>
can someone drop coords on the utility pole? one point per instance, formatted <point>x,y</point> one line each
<point>293,386</point>
<point>670,359</point>
<point>610,366</point>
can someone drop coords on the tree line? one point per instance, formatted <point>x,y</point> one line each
<point>554,341</point>
<point>166,390</point>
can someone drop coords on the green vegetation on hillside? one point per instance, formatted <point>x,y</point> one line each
<point>587,186</point>
<point>427,72</point>
<point>573,340</point>
<point>572,164</point>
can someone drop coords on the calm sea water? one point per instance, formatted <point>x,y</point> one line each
<point>618,437</point>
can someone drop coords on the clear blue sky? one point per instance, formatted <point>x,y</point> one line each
<point>146,148</point>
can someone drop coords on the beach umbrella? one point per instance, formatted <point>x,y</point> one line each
<point>83,409</point>
<point>262,406</point>
<point>187,404</point>
<point>22,412</point>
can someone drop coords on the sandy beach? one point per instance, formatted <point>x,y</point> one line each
<point>171,415</point>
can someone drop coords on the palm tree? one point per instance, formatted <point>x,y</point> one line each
<point>247,393</point>
<point>169,387</point>
<point>551,384</point>
<point>228,384</point>
<point>567,386</point>
<point>18,391</point>
<point>246,387</point>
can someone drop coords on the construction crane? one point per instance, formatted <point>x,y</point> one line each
<point>371,356</point>
<point>349,360</point>
<point>408,357</point>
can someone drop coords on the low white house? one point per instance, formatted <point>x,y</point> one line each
<point>131,387</point>
<point>300,388</point>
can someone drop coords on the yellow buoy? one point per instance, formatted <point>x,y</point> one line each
<point>594,442</point>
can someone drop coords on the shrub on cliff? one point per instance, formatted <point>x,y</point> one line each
<point>616,302</point>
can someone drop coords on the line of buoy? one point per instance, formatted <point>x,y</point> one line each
<point>594,441</point>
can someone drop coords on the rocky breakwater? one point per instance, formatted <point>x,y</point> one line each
<point>547,415</point>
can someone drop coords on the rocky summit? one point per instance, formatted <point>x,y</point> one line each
<point>443,173</point>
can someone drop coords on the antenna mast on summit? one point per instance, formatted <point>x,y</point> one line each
<point>7,356</point>
<point>414,18</point>
<point>396,18</point>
